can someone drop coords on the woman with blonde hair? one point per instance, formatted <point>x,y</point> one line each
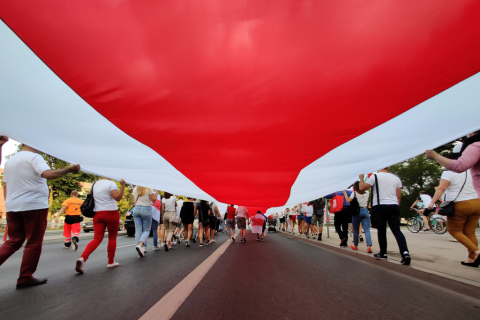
<point>142,216</point>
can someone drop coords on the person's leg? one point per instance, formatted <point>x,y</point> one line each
<point>207,233</point>
<point>161,233</point>
<point>35,222</point>
<point>200,232</point>
<point>382,231</point>
<point>146,215</point>
<point>16,236</point>
<point>393,216</point>
<point>462,226</point>
<point>155,232</point>
<point>137,219</point>
<point>76,230</point>
<point>112,223</point>
<point>345,221</point>
<point>67,234</point>
<point>356,223</point>
<point>337,222</point>
<point>189,232</point>
<point>99,227</point>
<point>365,217</point>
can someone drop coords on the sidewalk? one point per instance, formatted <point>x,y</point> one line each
<point>432,253</point>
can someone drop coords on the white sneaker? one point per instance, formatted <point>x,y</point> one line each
<point>140,252</point>
<point>213,241</point>
<point>155,248</point>
<point>174,243</point>
<point>79,265</point>
<point>113,265</point>
<point>162,245</point>
<point>144,249</point>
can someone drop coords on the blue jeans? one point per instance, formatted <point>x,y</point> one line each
<point>155,232</point>
<point>364,218</point>
<point>142,216</point>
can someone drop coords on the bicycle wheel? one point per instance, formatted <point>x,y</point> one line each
<point>439,225</point>
<point>414,225</point>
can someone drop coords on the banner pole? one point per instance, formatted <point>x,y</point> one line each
<point>328,218</point>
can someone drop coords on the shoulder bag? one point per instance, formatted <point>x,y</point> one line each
<point>336,203</point>
<point>447,208</point>
<point>88,205</point>
<point>354,206</point>
<point>375,216</point>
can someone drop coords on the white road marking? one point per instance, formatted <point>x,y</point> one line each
<point>169,304</point>
<point>128,245</point>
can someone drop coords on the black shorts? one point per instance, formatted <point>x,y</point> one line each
<point>212,222</point>
<point>427,212</point>
<point>282,220</point>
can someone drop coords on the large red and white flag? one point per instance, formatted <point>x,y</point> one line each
<point>262,103</point>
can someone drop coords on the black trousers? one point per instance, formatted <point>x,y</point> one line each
<point>390,213</point>
<point>341,221</point>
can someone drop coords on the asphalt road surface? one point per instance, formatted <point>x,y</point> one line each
<point>281,278</point>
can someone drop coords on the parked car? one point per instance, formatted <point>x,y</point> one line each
<point>130,224</point>
<point>88,225</point>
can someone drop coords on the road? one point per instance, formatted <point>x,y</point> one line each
<point>281,278</point>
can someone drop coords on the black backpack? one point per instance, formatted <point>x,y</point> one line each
<point>88,205</point>
<point>354,206</point>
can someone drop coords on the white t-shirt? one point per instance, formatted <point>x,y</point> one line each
<point>214,207</point>
<point>26,189</point>
<point>143,200</point>
<point>242,212</point>
<point>307,209</point>
<point>426,199</point>
<point>387,187</point>
<point>281,215</point>
<point>361,198</point>
<point>456,183</point>
<point>170,203</point>
<point>103,197</point>
<point>179,206</point>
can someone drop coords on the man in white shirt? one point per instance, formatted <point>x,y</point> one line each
<point>425,199</point>
<point>25,186</point>
<point>242,215</point>
<point>385,208</point>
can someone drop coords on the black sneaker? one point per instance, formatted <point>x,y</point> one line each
<point>233,239</point>
<point>166,246</point>
<point>75,243</point>
<point>241,239</point>
<point>308,237</point>
<point>244,239</point>
<point>380,256</point>
<point>194,241</point>
<point>406,259</point>
<point>31,283</point>
<point>67,245</point>
<point>319,237</point>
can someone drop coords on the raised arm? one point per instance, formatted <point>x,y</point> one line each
<point>347,198</point>
<point>58,173</point>
<point>363,185</point>
<point>118,194</point>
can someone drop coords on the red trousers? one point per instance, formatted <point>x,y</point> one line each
<point>71,230</point>
<point>25,225</point>
<point>104,220</point>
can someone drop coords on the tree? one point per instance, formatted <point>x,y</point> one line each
<point>416,174</point>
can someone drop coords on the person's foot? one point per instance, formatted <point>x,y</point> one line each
<point>261,239</point>
<point>162,244</point>
<point>67,245</point>
<point>201,244</point>
<point>343,242</point>
<point>233,239</point>
<point>79,265</point>
<point>244,239</point>
<point>155,248</point>
<point>308,237</point>
<point>113,265</point>
<point>319,237</point>
<point>369,250</point>
<point>427,230</point>
<point>314,238</point>
<point>469,264</point>
<point>75,243</point>
<point>194,241</point>
<point>406,259</point>
<point>140,252</point>
<point>354,247</point>
<point>145,250</point>
<point>241,239</point>
<point>380,256</point>
<point>188,244</point>
<point>174,242</point>
<point>31,283</point>
<point>453,240</point>
<point>166,247</point>
<point>258,239</point>
<point>213,241</point>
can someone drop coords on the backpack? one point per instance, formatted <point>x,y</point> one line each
<point>88,205</point>
<point>336,203</point>
<point>354,206</point>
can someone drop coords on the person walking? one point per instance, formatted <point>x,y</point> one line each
<point>301,219</point>
<point>106,195</point>
<point>214,215</point>
<point>187,215</point>
<point>317,218</point>
<point>26,201</point>
<point>342,218</point>
<point>169,204</point>
<point>362,218</point>
<point>230,217</point>
<point>242,215</point>
<point>71,226</point>
<point>281,220</point>
<point>386,201</point>
<point>204,225</point>
<point>259,225</point>
<point>291,219</point>
<point>458,187</point>
<point>156,214</point>
<point>142,216</point>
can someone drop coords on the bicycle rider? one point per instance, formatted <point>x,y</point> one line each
<point>425,199</point>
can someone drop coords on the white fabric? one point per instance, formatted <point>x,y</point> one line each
<point>179,206</point>
<point>29,87</point>
<point>361,198</point>
<point>26,189</point>
<point>143,200</point>
<point>307,209</point>
<point>456,182</point>
<point>156,212</point>
<point>103,197</point>
<point>170,203</point>
<point>258,229</point>
<point>387,186</point>
<point>426,199</point>
<point>242,211</point>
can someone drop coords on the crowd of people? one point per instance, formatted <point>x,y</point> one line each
<point>174,219</point>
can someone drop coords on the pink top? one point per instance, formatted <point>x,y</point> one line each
<point>470,159</point>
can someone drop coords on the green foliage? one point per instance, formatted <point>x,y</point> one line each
<point>417,173</point>
<point>127,200</point>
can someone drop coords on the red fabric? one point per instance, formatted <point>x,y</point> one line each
<point>157,204</point>
<point>71,230</point>
<point>29,225</point>
<point>243,72</point>
<point>104,220</point>
<point>230,212</point>
<point>258,222</point>
<point>336,204</point>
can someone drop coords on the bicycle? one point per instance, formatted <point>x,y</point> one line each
<point>416,223</point>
